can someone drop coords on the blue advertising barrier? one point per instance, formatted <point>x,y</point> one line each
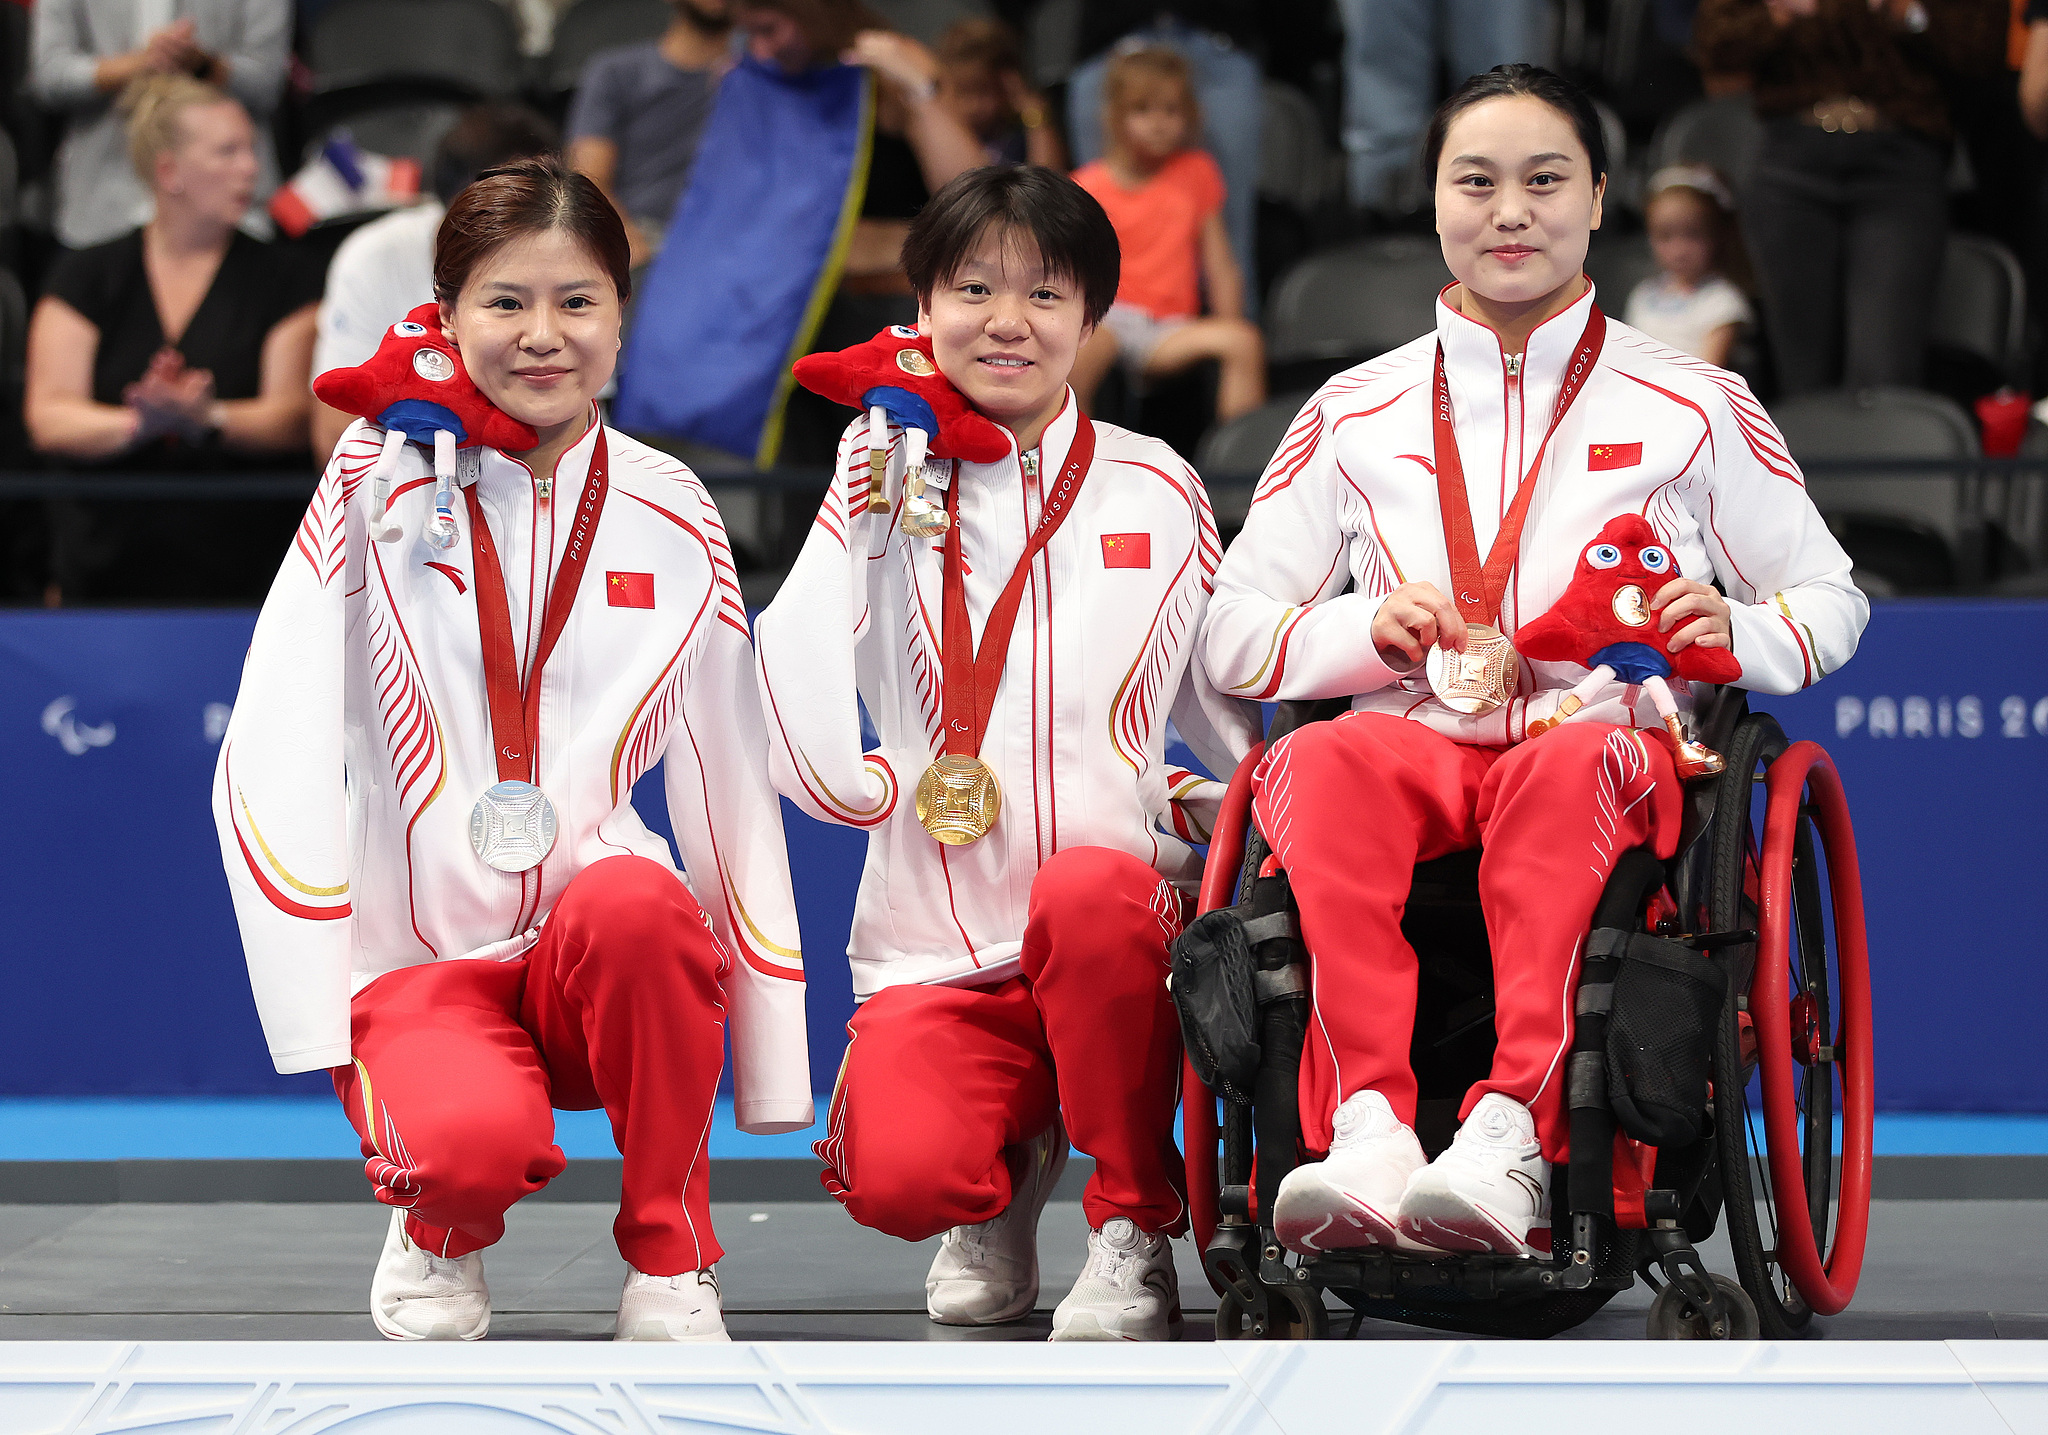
<point>124,972</point>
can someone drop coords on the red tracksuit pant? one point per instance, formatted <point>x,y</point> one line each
<point>459,1066</point>
<point>938,1080</point>
<point>1351,806</point>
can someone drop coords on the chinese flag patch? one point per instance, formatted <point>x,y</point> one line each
<point>1613,455</point>
<point>629,590</point>
<point>1127,550</point>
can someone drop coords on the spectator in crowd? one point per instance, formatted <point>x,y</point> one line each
<point>1847,213</point>
<point>981,81</point>
<point>184,338</point>
<point>385,270</point>
<point>2034,70</point>
<point>1165,200</point>
<point>1219,40</point>
<point>917,146</point>
<point>1392,52</point>
<point>182,344</point>
<point>1695,300</point>
<point>88,51</point>
<point>639,112</point>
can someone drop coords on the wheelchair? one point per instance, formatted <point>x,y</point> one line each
<point>1764,887</point>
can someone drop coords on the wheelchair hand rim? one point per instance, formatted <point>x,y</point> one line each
<point>1826,1285</point>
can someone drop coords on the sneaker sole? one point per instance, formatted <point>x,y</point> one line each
<point>1452,1223</point>
<point>1311,1216</point>
<point>441,1330</point>
<point>654,1330</point>
<point>1016,1310</point>
<point>1086,1325</point>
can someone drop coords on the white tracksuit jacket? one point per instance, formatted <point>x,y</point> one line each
<point>361,741</point>
<point>1099,658</point>
<point>1350,498</point>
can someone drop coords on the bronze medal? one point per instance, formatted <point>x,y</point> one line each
<point>1477,680</point>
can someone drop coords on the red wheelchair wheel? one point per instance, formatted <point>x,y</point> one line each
<point>1791,1033</point>
<point>1795,1033</point>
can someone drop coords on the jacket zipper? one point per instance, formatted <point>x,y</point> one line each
<point>543,489</point>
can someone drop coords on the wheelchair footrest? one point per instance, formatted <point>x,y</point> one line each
<point>1392,1275</point>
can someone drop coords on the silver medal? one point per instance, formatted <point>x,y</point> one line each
<point>512,826</point>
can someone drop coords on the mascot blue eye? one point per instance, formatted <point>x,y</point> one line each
<point>903,331</point>
<point>1655,559</point>
<point>409,329</point>
<point>1603,555</point>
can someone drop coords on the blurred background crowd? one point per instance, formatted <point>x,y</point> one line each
<point>205,203</point>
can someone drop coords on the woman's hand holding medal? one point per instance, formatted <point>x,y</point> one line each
<point>1412,619</point>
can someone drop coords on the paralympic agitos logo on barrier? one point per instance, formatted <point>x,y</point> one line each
<point>1917,716</point>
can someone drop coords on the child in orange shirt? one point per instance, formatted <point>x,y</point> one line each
<point>1165,199</point>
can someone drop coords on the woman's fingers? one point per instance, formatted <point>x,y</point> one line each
<point>1703,631</point>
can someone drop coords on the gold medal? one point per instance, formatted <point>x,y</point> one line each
<point>1477,680</point>
<point>958,799</point>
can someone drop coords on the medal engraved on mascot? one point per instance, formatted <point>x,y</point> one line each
<point>1483,676</point>
<point>1603,620</point>
<point>893,378</point>
<point>416,389</point>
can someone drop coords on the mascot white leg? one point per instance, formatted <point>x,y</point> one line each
<point>1574,700</point>
<point>878,459</point>
<point>921,517</point>
<point>383,527</point>
<point>441,527</point>
<point>1694,759</point>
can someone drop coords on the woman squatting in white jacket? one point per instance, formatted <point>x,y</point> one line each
<point>424,801</point>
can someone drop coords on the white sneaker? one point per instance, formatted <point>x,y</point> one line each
<point>417,1296</point>
<point>684,1307</point>
<point>1489,1191</point>
<point>1352,1197</point>
<point>1127,1290</point>
<point>986,1274</point>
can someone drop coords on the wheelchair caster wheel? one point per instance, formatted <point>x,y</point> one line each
<point>1673,1316</point>
<point>1290,1315</point>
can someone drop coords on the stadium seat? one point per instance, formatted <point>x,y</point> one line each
<point>1915,532</point>
<point>467,45</point>
<point>1616,265</point>
<point>927,20</point>
<point>1980,305</point>
<point>592,25</point>
<point>1353,303</point>
<point>1297,166</point>
<point>1242,448</point>
<point>1052,34</point>
<point>9,175</point>
<point>1723,132</point>
<point>410,129</point>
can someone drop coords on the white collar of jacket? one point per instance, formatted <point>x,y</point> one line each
<point>499,472</point>
<point>1053,447</point>
<point>1472,349</point>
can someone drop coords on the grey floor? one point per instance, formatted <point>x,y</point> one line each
<point>804,1271</point>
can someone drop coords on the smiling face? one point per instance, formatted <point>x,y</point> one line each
<point>537,324</point>
<point>1005,331</point>
<point>1516,200</point>
<point>212,170</point>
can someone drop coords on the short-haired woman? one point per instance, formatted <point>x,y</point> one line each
<point>1025,828</point>
<point>1451,486</point>
<point>424,801</point>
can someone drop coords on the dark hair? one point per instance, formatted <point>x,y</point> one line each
<point>1073,235</point>
<point>1505,80</point>
<point>485,136</point>
<point>527,196</point>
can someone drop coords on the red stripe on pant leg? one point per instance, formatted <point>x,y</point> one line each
<point>937,1082</point>
<point>449,1098</point>
<point>1350,807</point>
<point>1556,816</point>
<point>1095,955</point>
<point>623,995</point>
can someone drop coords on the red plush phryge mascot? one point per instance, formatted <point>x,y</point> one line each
<point>415,387</point>
<point>1603,619</point>
<point>893,378</point>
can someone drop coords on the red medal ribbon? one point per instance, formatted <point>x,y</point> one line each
<point>515,712</point>
<point>970,686</point>
<point>1480,591</point>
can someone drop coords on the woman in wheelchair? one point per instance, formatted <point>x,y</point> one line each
<point>1525,423</point>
